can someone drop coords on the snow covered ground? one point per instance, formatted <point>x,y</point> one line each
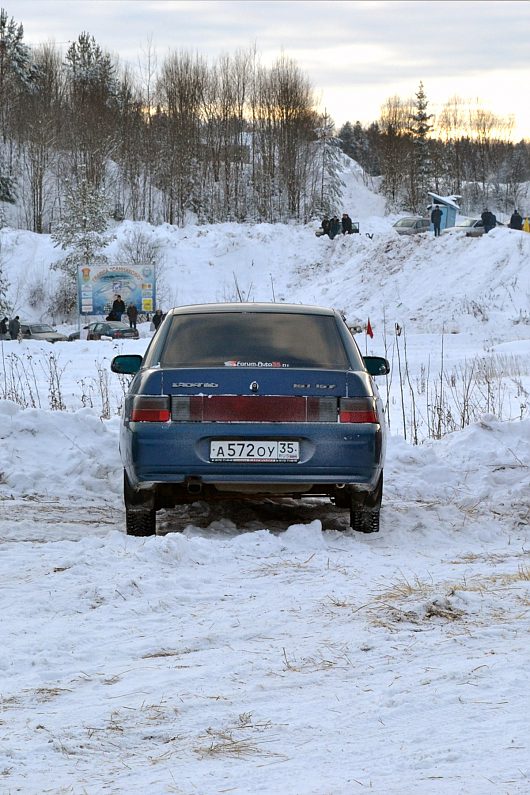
<point>262,648</point>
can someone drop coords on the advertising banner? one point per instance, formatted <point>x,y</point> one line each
<point>98,285</point>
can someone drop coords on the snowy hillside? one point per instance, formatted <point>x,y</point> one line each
<point>456,282</point>
<point>266,648</point>
<point>461,305</point>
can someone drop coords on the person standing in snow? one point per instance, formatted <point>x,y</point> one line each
<point>132,314</point>
<point>489,220</point>
<point>325,225</point>
<point>157,319</point>
<point>4,327</point>
<point>14,328</point>
<point>118,308</point>
<point>516,221</point>
<point>334,227</point>
<point>436,219</point>
<point>346,222</point>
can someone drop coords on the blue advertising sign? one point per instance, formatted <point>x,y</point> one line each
<point>98,286</point>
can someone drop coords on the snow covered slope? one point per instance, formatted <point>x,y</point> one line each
<point>263,648</point>
<point>459,283</point>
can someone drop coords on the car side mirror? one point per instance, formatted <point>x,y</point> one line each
<point>376,365</point>
<point>126,364</point>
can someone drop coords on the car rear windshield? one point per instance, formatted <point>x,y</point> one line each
<point>41,329</point>
<point>260,339</point>
<point>406,222</point>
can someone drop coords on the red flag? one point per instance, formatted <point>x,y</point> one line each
<point>369,330</point>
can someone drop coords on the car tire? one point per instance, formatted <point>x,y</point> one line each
<point>140,522</point>
<point>365,518</point>
<point>140,512</point>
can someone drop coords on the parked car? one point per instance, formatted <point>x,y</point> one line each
<point>41,331</point>
<point>472,227</point>
<point>412,226</point>
<point>253,401</point>
<point>112,329</point>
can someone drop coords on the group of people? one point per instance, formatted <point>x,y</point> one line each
<point>118,310</point>
<point>488,219</point>
<point>333,227</point>
<point>10,329</point>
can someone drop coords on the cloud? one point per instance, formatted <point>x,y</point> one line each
<point>342,46</point>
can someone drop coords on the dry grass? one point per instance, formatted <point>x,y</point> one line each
<point>238,741</point>
<point>484,583</point>
<point>162,653</point>
<point>283,565</point>
<point>417,602</point>
<point>404,588</point>
<point>44,694</point>
<point>223,743</point>
<point>9,701</point>
<point>442,608</point>
<point>330,657</point>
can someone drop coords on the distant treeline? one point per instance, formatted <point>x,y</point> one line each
<point>466,151</point>
<point>230,141</point>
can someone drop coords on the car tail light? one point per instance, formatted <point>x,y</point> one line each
<point>244,408</point>
<point>321,409</point>
<point>150,408</point>
<point>360,409</point>
<point>117,334</point>
<point>186,409</point>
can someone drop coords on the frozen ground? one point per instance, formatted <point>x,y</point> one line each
<point>263,648</point>
<point>266,649</point>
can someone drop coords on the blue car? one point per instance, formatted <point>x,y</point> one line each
<point>253,401</point>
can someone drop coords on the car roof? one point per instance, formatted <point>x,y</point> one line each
<point>296,309</point>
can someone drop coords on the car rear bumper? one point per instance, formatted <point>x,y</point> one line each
<point>335,453</point>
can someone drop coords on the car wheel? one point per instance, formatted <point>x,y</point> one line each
<point>140,521</point>
<point>365,518</point>
<point>140,513</point>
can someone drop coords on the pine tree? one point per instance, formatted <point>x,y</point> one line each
<point>17,75</point>
<point>17,69</point>
<point>373,148</point>
<point>420,166</point>
<point>346,139</point>
<point>331,184</point>
<point>90,124</point>
<point>81,230</point>
<point>89,68</point>
<point>7,187</point>
<point>354,142</point>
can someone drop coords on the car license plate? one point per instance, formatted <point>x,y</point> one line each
<point>262,451</point>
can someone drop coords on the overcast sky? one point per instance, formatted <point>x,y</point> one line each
<point>356,54</point>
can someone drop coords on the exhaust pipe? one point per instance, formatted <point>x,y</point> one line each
<point>194,485</point>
